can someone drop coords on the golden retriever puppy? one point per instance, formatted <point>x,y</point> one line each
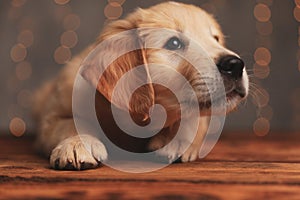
<point>58,136</point>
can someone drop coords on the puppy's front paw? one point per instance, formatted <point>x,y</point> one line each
<point>174,150</point>
<point>78,153</point>
<point>191,154</point>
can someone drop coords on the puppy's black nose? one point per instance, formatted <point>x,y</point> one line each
<point>231,66</point>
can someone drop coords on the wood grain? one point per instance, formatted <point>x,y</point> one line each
<point>241,166</point>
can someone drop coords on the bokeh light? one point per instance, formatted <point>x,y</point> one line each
<point>69,39</point>
<point>71,22</point>
<point>266,2</point>
<point>62,11</point>
<point>18,3</point>
<point>120,2</point>
<point>17,127</point>
<point>61,2</point>
<point>262,12</point>
<point>297,2</point>
<point>262,56</point>
<point>113,10</point>
<point>297,13</point>
<point>26,38</point>
<point>261,126</point>
<point>18,52</point>
<point>62,55</point>
<point>261,72</point>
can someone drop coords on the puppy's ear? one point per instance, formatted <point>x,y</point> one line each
<point>120,50</point>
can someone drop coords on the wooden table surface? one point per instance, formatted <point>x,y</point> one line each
<point>241,166</point>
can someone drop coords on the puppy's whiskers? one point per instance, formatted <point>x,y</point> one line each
<point>255,91</point>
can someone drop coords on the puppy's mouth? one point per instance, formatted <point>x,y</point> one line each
<point>230,100</point>
<point>239,91</point>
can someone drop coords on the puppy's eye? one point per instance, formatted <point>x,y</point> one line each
<point>216,38</point>
<point>174,44</point>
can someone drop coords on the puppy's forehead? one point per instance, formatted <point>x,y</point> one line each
<point>185,18</point>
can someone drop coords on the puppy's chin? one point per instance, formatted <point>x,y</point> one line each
<point>222,105</point>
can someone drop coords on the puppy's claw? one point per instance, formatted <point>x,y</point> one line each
<point>99,152</point>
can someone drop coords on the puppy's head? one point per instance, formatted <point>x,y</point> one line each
<point>165,35</point>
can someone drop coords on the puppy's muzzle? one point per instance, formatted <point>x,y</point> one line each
<point>231,66</point>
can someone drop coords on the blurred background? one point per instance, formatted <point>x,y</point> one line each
<point>38,37</point>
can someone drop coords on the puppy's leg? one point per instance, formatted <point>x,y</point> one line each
<point>192,153</point>
<point>176,148</point>
<point>68,149</point>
